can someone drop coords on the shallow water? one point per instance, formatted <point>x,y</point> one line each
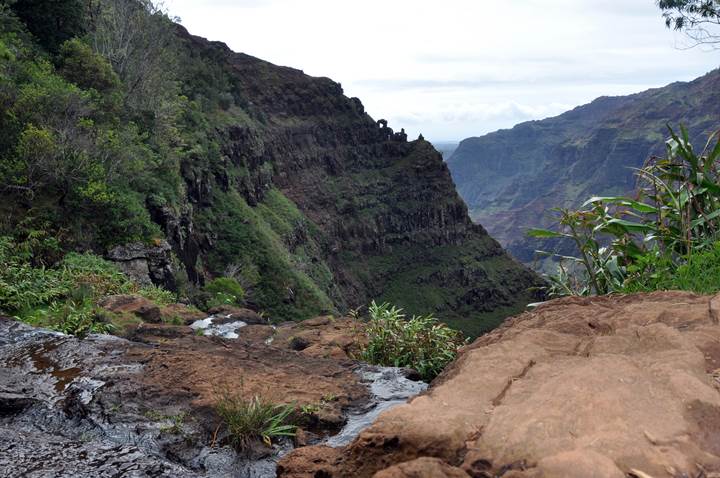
<point>389,388</point>
<point>224,330</point>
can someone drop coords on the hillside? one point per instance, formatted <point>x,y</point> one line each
<point>511,179</point>
<point>244,168</point>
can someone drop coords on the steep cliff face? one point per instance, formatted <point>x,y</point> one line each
<point>512,178</point>
<point>321,207</point>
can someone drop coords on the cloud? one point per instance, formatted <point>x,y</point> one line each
<point>462,67</point>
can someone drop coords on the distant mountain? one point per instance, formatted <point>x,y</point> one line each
<point>446,148</point>
<point>511,179</point>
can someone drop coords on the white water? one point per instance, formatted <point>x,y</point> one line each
<point>389,388</point>
<point>227,331</point>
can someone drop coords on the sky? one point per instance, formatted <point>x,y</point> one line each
<point>459,68</point>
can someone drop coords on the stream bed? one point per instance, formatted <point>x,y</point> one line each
<point>71,407</point>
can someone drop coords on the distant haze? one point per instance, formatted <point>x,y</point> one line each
<point>458,68</point>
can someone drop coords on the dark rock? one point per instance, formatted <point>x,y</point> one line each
<point>299,343</point>
<point>146,264</point>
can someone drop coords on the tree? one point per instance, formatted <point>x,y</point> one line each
<point>137,38</point>
<point>698,19</point>
<point>52,21</point>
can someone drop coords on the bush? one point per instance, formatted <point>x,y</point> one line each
<point>223,291</point>
<point>254,419</point>
<point>79,64</point>
<point>421,343</point>
<point>79,318</point>
<point>158,295</point>
<point>638,243</point>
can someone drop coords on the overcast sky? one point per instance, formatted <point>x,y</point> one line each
<point>458,68</point>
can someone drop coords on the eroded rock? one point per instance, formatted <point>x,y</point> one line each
<point>580,387</point>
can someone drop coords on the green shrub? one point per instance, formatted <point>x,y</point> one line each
<point>421,343</point>
<point>223,291</point>
<point>72,317</point>
<point>254,419</point>
<point>699,273</point>
<point>79,64</point>
<point>63,297</point>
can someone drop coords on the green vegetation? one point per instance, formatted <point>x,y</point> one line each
<point>420,343</point>
<point>223,291</point>
<point>254,419</point>
<point>62,296</point>
<point>654,241</point>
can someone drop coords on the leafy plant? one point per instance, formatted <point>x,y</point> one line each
<point>421,343</point>
<point>223,291</point>
<point>626,244</point>
<point>70,317</point>
<point>254,419</point>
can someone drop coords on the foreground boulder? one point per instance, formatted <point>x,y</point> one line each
<point>606,387</point>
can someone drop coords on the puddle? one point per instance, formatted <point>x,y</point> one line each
<point>214,326</point>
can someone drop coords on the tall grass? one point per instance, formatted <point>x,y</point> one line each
<point>254,419</point>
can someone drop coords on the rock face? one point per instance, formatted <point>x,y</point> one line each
<point>146,264</point>
<point>511,179</point>
<point>581,387</point>
<point>332,208</point>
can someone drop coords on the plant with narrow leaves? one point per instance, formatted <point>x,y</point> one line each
<point>254,419</point>
<point>421,343</point>
<point>623,241</point>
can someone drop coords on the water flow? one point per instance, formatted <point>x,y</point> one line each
<point>215,326</point>
<point>389,388</point>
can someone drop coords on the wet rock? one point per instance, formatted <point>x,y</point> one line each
<point>107,406</point>
<point>599,387</point>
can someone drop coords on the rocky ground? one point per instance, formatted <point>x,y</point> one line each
<point>624,386</point>
<point>142,405</point>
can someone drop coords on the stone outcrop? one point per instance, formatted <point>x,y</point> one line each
<point>146,264</point>
<point>606,387</point>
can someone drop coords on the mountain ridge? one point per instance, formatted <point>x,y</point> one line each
<point>511,178</point>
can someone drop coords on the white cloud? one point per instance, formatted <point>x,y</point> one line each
<point>462,68</point>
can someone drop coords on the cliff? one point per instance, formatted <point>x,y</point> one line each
<point>511,179</point>
<point>215,163</point>
<point>367,215</point>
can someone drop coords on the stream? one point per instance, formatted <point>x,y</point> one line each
<point>70,407</point>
